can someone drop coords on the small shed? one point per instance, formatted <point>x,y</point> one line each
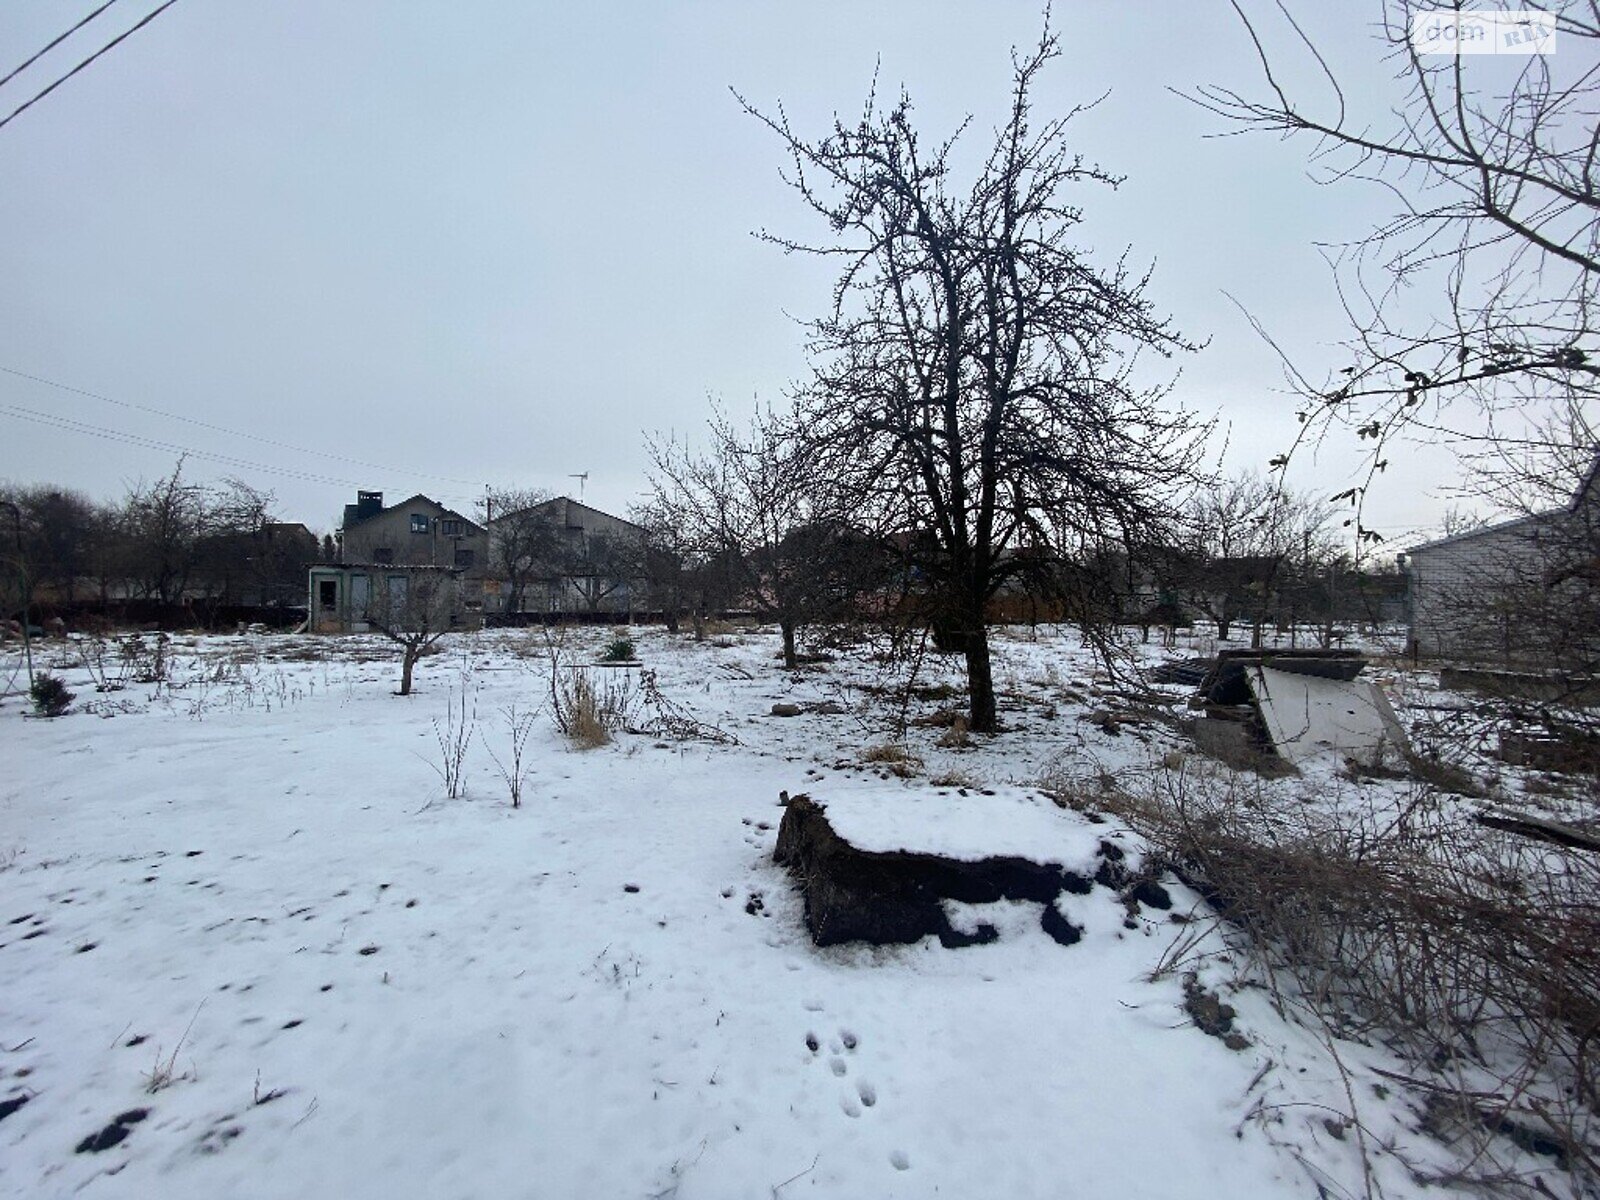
<point>358,597</point>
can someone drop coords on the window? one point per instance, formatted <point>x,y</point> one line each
<point>451,528</point>
<point>419,522</point>
<point>383,554</point>
<point>463,558</point>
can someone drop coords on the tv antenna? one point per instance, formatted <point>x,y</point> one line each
<point>582,479</point>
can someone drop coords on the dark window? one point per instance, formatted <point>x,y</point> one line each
<point>419,522</point>
<point>463,558</point>
<point>383,554</point>
<point>328,593</point>
<point>450,528</point>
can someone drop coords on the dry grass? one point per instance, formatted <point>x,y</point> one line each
<point>589,706</point>
<point>1473,953</point>
<point>586,719</point>
<point>895,757</point>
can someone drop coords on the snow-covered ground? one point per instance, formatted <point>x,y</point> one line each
<point>241,904</point>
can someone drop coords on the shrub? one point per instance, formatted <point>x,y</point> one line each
<point>50,695</point>
<point>1456,946</point>
<point>618,649</point>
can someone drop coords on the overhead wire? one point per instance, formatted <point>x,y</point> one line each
<point>71,425</point>
<point>55,42</point>
<point>121,37</point>
<point>134,439</point>
<point>253,437</point>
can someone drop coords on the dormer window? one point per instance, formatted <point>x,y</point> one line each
<point>419,522</point>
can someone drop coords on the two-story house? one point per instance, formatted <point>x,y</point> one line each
<point>385,551</point>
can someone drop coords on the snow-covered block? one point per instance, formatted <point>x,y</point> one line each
<point>879,865</point>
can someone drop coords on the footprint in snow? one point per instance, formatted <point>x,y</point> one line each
<point>850,1107</point>
<point>837,1066</point>
<point>868,1093</point>
<point>900,1160</point>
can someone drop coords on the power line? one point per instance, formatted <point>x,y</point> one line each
<point>56,42</point>
<point>134,439</point>
<point>266,441</point>
<point>26,105</point>
<point>69,425</point>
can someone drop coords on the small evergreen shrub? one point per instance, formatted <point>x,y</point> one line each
<point>50,695</point>
<point>618,649</point>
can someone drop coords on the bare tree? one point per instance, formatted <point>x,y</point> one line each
<point>1248,541</point>
<point>753,509</point>
<point>597,565</point>
<point>974,378</point>
<point>168,527</point>
<point>1493,172</point>
<point>59,529</point>
<point>413,609</point>
<point>523,541</point>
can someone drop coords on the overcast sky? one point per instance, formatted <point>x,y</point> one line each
<point>424,247</point>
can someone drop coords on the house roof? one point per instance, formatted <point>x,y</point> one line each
<point>569,501</point>
<point>392,568</point>
<point>1588,489</point>
<point>1481,531</point>
<point>419,498</point>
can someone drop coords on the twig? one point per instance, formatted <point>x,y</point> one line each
<point>801,1175</point>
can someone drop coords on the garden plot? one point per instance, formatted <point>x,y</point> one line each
<point>252,948</point>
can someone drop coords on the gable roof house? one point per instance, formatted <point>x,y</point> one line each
<point>1524,592</point>
<point>392,557</point>
<point>564,557</point>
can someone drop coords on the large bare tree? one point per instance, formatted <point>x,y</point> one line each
<point>974,377</point>
<point>168,526</point>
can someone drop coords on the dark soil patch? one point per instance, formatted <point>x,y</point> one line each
<point>897,896</point>
<point>1061,930</point>
<point>7,1107</point>
<point>114,1133</point>
<point>1211,1015</point>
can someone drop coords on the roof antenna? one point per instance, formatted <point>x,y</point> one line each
<point>582,479</point>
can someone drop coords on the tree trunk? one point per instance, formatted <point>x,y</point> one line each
<point>1223,625</point>
<point>980,681</point>
<point>790,659</point>
<point>406,665</point>
<point>671,616</point>
<point>699,618</point>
